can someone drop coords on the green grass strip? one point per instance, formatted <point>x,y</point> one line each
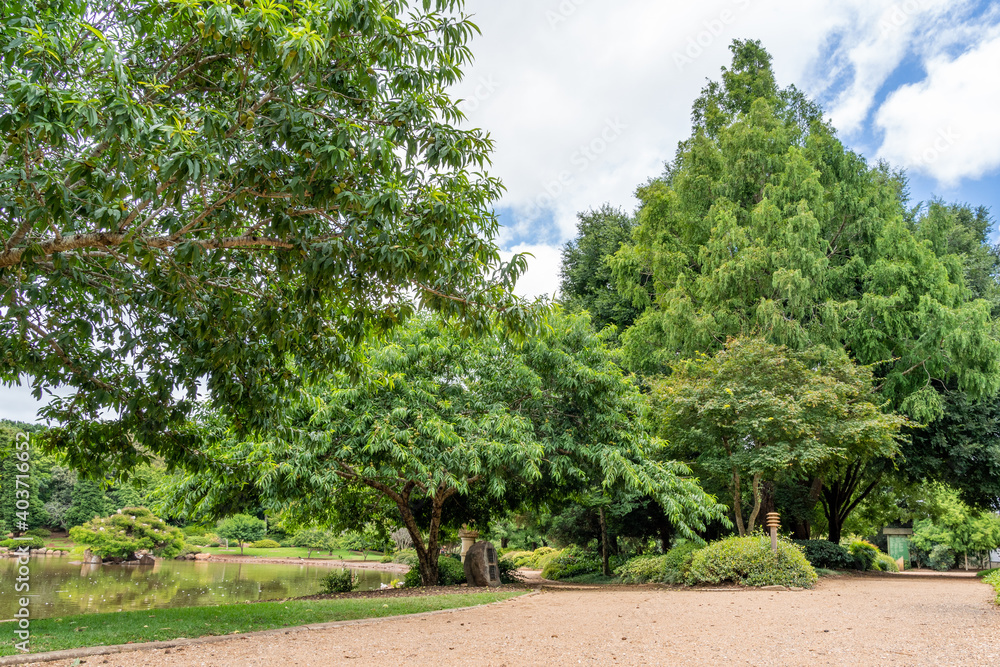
<point>162,624</point>
<point>993,579</point>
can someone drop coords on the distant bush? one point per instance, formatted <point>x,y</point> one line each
<point>133,529</point>
<point>39,532</point>
<point>265,544</point>
<point>539,558</point>
<point>643,569</point>
<point>33,543</point>
<point>865,554</point>
<point>941,558</point>
<point>385,559</point>
<point>193,531</point>
<point>196,540</point>
<point>450,573</point>
<point>519,558</point>
<point>827,554</point>
<point>749,561</point>
<point>338,581</point>
<point>508,570</point>
<point>570,562</point>
<point>885,563</point>
<point>406,557</point>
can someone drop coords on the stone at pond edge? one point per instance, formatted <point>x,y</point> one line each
<point>480,565</point>
<point>91,558</point>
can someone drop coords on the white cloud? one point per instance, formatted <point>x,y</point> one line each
<point>945,126</point>
<point>542,276</point>
<point>17,404</point>
<point>552,76</point>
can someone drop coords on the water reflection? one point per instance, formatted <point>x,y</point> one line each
<point>59,588</point>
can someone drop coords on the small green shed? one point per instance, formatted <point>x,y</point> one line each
<point>899,545</point>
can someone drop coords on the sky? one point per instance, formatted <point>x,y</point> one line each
<point>587,99</point>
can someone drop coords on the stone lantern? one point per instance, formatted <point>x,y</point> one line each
<point>469,537</point>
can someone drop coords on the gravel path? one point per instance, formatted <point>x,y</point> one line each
<point>843,621</point>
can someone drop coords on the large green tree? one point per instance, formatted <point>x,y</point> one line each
<point>438,422</point>
<point>194,194</point>
<point>757,412</point>
<point>766,224</point>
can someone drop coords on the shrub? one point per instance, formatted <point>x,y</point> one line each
<point>749,561</point>
<point>885,563</point>
<point>827,554</point>
<point>385,559</point>
<point>133,529</point>
<point>993,579</point>
<point>570,562</point>
<point>39,532</point>
<point>450,573</point>
<point>678,561</point>
<point>338,581</point>
<point>941,558</point>
<point>864,553</point>
<point>642,569</point>
<point>519,558</point>
<point>194,531</point>
<point>539,557</point>
<point>33,543</point>
<point>508,570</point>
<point>3,527</point>
<point>196,540</point>
<point>265,544</point>
<point>406,557</point>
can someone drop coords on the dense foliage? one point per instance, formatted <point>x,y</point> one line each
<point>827,555</point>
<point>242,528</point>
<point>338,581</point>
<point>177,174</point>
<point>134,529</point>
<point>749,561</point>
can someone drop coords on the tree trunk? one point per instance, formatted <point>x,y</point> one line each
<point>756,502</point>
<point>605,564</point>
<point>842,496</point>
<point>504,541</point>
<point>738,502</point>
<point>427,556</point>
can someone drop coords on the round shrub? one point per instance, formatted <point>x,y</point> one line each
<point>539,557</point>
<point>570,562</point>
<point>193,531</point>
<point>642,569</point>
<point>519,558</point>
<point>941,558</point>
<point>827,554</point>
<point>39,532</point>
<point>864,553</point>
<point>406,557</point>
<point>508,570</point>
<point>196,540</point>
<point>885,563</point>
<point>132,529</point>
<point>338,581</point>
<point>265,544</point>
<point>749,561</point>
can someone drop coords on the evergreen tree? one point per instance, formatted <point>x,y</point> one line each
<point>89,501</point>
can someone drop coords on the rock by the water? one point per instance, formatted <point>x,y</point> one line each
<point>91,558</point>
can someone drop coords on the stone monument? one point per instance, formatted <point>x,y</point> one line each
<point>481,567</point>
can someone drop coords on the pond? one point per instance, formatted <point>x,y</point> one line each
<point>61,588</point>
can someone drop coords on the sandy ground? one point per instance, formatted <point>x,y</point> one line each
<point>843,621</point>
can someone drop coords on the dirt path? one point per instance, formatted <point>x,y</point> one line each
<point>843,621</point>
<point>350,564</point>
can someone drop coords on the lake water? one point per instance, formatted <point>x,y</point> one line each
<point>60,588</point>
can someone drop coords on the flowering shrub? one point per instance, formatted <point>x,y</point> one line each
<point>749,561</point>
<point>132,529</point>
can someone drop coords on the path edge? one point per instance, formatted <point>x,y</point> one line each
<point>88,652</point>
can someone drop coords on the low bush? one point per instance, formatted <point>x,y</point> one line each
<point>385,559</point>
<point>33,543</point>
<point>39,532</point>
<point>643,569</point>
<point>406,557</point>
<point>508,570</point>
<point>193,531</point>
<point>450,573</point>
<point>885,563</point>
<point>941,558</point>
<point>540,557</point>
<point>865,554</point>
<point>993,579</point>
<point>678,561</point>
<point>196,540</point>
<point>519,558</point>
<point>826,554</point>
<point>570,562</point>
<point>749,561</point>
<point>266,544</point>
<point>339,581</point>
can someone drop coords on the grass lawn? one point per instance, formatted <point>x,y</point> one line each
<point>292,552</point>
<point>161,624</point>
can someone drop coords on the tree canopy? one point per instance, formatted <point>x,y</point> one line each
<point>766,225</point>
<point>437,419</point>
<point>227,196</point>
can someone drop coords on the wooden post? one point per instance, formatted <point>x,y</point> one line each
<point>772,522</point>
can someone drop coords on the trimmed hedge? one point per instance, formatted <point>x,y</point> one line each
<point>33,543</point>
<point>749,561</point>
<point>267,544</point>
<point>643,569</point>
<point>827,555</point>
